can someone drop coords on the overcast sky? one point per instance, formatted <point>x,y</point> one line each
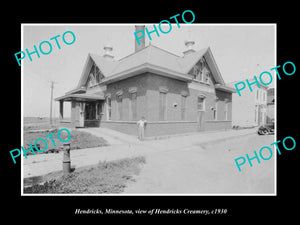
<point>241,51</point>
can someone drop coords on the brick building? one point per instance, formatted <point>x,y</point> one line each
<point>176,94</point>
<point>249,109</point>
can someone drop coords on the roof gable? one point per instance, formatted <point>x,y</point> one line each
<point>150,58</point>
<point>105,66</point>
<point>190,60</point>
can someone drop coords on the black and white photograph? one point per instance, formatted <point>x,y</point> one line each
<point>158,116</point>
<point>173,112</point>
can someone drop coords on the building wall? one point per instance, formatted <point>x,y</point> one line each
<point>153,128</point>
<point>148,87</point>
<point>270,113</point>
<point>138,82</point>
<point>243,109</point>
<point>174,90</point>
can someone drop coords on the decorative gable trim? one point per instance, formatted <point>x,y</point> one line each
<point>163,89</point>
<point>184,93</point>
<point>89,62</point>
<point>107,95</point>
<point>202,96</point>
<point>208,56</point>
<point>201,72</point>
<point>132,90</point>
<point>120,92</point>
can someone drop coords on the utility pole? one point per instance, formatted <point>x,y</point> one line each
<point>51,100</point>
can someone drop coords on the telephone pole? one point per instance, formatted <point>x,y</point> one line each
<point>51,100</point>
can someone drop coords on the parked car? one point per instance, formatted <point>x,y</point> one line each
<point>266,129</point>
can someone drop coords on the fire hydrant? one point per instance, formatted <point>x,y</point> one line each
<point>66,159</point>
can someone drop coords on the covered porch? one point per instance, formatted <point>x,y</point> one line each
<point>86,109</point>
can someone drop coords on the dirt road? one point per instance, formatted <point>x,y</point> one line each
<point>207,169</point>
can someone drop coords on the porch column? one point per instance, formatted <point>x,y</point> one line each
<point>61,109</point>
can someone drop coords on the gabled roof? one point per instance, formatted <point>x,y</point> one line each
<point>150,59</point>
<point>251,80</point>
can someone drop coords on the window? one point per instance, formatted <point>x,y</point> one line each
<point>119,106</point>
<point>200,103</point>
<point>215,111</point>
<point>99,110</point>
<point>98,75</point>
<point>108,104</point>
<point>133,106</point>
<point>226,111</point>
<point>207,77</point>
<point>162,105</point>
<point>91,80</point>
<point>95,76</point>
<point>197,73</point>
<point>201,71</point>
<point>183,107</point>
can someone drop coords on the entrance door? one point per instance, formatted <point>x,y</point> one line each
<point>81,114</point>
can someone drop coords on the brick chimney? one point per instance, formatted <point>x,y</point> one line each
<point>142,40</point>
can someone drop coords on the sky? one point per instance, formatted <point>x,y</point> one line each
<point>240,51</point>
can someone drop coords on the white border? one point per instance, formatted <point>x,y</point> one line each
<point>116,24</point>
<point>22,118</point>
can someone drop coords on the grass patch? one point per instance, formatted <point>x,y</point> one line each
<point>79,140</point>
<point>105,177</point>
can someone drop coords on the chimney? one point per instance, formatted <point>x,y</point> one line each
<point>142,40</point>
<point>108,49</point>
<point>189,44</point>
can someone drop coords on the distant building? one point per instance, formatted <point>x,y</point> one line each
<point>249,109</point>
<point>176,94</point>
<point>270,105</point>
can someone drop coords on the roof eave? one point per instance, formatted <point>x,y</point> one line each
<point>225,88</point>
<point>215,66</point>
<point>146,67</point>
<point>83,97</point>
<point>76,90</point>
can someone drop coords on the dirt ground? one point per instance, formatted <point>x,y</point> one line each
<point>105,177</point>
<point>39,127</point>
<point>208,169</point>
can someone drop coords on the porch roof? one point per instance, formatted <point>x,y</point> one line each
<point>80,97</point>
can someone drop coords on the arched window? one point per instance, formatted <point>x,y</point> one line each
<point>201,102</point>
